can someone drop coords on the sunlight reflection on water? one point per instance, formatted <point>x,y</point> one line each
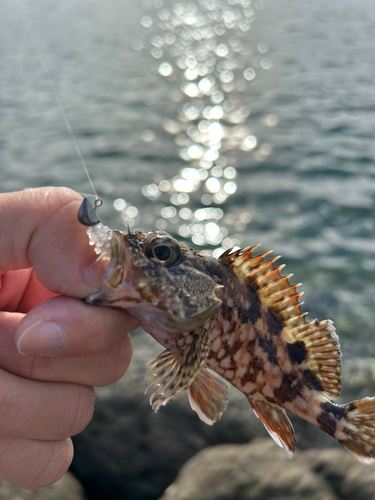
<point>202,50</point>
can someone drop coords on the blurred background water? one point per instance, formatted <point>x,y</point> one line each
<point>297,129</point>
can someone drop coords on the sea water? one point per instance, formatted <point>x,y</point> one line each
<point>300,150</point>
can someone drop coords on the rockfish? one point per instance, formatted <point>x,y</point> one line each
<point>235,317</point>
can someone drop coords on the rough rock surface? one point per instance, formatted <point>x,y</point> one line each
<point>67,488</point>
<point>130,452</point>
<point>258,471</point>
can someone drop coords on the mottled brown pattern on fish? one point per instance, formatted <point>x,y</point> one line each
<point>245,347</point>
<point>239,317</point>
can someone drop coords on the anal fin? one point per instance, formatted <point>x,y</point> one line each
<point>277,424</point>
<point>208,396</point>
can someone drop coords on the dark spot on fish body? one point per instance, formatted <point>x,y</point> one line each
<point>274,323</point>
<point>226,312</point>
<point>254,310</point>
<point>232,328</point>
<point>234,348</point>
<point>256,365</point>
<point>250,314</point>
<point>339,411</point>
<point>290,388</point>
<point>296,351</point>
<point>250,346</point>
<point>327,422</point>
<point>244,314</point>
<point>312,381</point>
<point>226,315</point>
<point>269,348</point>
<point>331,413</point>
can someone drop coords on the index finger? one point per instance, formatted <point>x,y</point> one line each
<point>39,228</point>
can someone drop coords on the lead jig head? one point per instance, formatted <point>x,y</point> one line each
<point>86,213</point>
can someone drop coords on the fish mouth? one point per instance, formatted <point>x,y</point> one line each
<point>119,285</point>
<point>105,296</point>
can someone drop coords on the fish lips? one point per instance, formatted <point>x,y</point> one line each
<point>114,297</point>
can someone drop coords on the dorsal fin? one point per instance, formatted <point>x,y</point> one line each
<point>313,343</point>
<point>273,290</point>
<point>323,356</point>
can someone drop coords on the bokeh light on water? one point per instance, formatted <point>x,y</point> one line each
<point>200,47</point>
<point>302,160</point>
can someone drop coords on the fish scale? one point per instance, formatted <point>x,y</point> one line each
<point>238,317</point>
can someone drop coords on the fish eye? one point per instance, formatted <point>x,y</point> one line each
<point>163,252</point>
<point>166,253</point>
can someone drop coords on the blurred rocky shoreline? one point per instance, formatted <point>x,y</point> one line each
<point>129,452</point>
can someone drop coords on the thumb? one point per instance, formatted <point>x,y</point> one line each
<point>40,229</point>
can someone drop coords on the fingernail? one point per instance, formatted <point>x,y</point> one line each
<point>94,275</point>
<point>43,338</point>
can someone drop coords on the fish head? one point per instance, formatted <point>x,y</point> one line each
<point>157,280</point>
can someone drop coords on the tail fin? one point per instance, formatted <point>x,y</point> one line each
<point>355,428</point>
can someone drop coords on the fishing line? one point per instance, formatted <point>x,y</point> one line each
<point>39,52</point>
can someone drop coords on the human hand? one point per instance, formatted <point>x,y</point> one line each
<point>54,348</point>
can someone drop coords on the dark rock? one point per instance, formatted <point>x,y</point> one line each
<point>347,476</point>
<point>67,488</point>
<point>259,471</point>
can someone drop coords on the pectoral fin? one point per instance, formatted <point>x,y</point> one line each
<point>208,396</point>
<point>176,369</point>
<point>277,424</point>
